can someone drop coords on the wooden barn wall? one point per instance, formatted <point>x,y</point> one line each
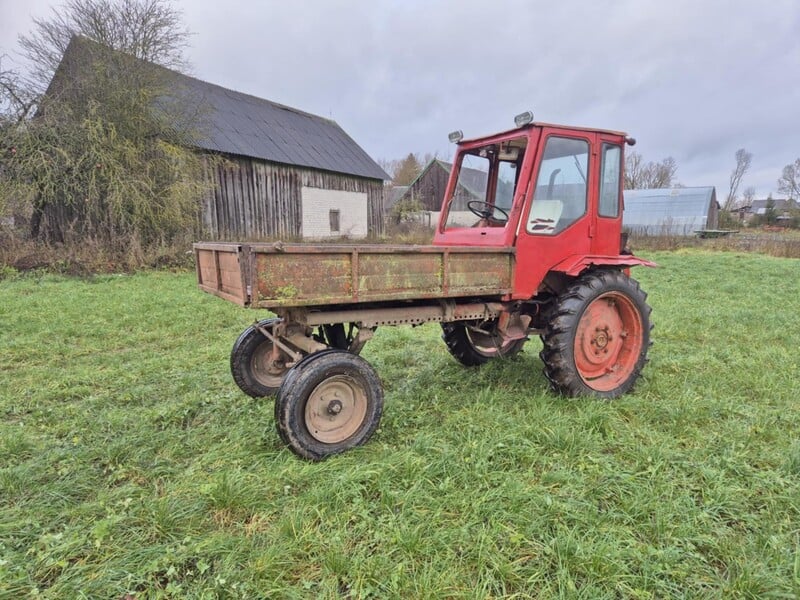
<point>430,188</point>
<point>712,222</point>
<point>252,199</point>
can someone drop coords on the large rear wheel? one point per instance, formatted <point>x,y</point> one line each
<point>474,344</point>
<point>329,402</point>
<point>597,337</point>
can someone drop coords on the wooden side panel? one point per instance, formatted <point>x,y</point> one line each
<point>273,276</point>
<point>288,279</point>
<point>220,271</point>
<point>306,275</point>
<point>470,273</point>
<point>399,275</point>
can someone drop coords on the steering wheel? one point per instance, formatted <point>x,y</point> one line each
<point>486,211</point>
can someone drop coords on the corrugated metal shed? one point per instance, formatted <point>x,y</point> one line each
<point>676,211</point>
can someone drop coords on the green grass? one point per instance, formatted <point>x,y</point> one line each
<point>131,464</point>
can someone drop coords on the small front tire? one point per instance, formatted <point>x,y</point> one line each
<point>472,347</point>
<point>252,364</point>
<point>330,402</point>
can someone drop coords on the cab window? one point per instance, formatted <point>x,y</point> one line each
<point>609,180</point>
<point>487,181</point>
<point>561,187</point>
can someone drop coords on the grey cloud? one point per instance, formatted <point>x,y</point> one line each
<point>692,80</point>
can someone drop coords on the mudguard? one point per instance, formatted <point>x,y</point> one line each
<point>575,265</point>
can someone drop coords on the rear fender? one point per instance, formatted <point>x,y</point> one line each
<point>575,265</point>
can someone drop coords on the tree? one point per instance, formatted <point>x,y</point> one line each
<point>105,158</point>
<point>649,175</point>
<point>743,160</point>
<point>770,214</point>
<point>150,30</point>
<point>16,100</point>
<point>789,182</point>
<point>748,196</point>
<point>407,170</point>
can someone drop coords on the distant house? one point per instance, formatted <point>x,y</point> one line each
<point>676,211</point>
<point>430,185</point>
<point>287,173</point>
<point>783,209</point>
<point>391,196</point>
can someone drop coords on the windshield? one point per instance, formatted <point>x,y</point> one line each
<point>487,180</point>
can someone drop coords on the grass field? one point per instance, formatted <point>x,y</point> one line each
<point>131,465</point>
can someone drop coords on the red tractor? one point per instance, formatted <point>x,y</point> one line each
<point>529,241</point>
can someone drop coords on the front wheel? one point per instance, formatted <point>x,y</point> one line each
<point>473,344</point>
<point>597,337</point>
<point>253,366</point>
<point>329,402</point>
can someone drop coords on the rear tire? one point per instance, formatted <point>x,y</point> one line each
<point>329,402</point>
<point>251,362</point>
<point>472,348</point>
<point>597,337</point>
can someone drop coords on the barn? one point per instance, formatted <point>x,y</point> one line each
<point>287,173</point>
<point>674,211</point>
<point>429,186</point>
<point>428,190</point>
<point>278,172</point>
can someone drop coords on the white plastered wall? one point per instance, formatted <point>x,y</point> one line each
<point>317,204</point>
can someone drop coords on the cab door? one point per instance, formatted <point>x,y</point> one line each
<point>608,212</point>
<point>557,219</point>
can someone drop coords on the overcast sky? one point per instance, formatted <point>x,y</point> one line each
<point>691,79</point>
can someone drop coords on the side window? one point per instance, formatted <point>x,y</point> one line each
<point>609,181</point>
<point>333,215</point>
<point>560,195</point>
<point>473,177</point>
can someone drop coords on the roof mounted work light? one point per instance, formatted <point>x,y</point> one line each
<point>523,119</point>
<point>455,136</point>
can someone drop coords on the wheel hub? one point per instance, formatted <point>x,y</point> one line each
<point>336,409</point>
<point>605,354</point>
<point>601,340</point>
<point>268,370</point>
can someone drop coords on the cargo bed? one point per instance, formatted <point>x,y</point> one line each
<point>264,275</point>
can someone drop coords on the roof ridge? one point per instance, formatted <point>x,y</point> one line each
<point>84,39</point>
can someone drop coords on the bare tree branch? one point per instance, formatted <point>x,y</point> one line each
<point>789,181</point>
<point>650,175</point>
<point>17,102</point>
<point>743,160</point>
<point>151,30</point>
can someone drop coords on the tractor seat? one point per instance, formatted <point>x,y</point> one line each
<point>544,216</point>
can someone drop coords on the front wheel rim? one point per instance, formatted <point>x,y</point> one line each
<point>267,372</point>
<point>336,409</point>
<point>488,345</point>
<point>608,341</point>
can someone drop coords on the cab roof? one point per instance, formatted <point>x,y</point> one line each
<point>541,125</point>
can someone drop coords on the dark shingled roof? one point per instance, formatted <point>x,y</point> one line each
<point>237,123</point>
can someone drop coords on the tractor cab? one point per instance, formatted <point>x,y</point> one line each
<point>552,192</point>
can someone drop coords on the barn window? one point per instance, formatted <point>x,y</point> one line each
<point>334,218</point>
